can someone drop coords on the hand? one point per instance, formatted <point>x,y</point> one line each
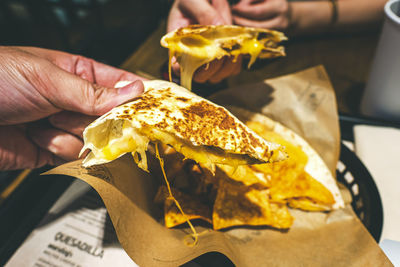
<point>47,98</point>
<point>214,12</point>
<point>268,14</point>
<point>186,12</point>
<point>215,71</point>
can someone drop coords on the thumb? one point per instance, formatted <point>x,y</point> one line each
<point>70,92</point>
<point>202,12</point>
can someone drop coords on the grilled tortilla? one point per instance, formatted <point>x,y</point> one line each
<point>257,195</point>
<point>169,114</point>
<point>196,45</point>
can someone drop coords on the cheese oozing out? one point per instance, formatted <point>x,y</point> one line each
<point>197,45</point>
<point>126,139</point>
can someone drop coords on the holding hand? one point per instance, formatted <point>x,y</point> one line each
<point>215,12</point>
<point>47,98</point>
<point>187,12</point>
<point>267,14</point>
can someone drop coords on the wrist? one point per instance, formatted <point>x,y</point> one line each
<point>310,16</point>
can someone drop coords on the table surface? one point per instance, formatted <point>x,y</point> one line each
<point>346,57</point>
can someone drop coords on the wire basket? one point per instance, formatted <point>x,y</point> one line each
<point>366,201</point>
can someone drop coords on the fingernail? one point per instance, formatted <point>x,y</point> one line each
<point>218,21</point>
<point>135,87</point>
<point>173,60</point>
<point>130,91</point>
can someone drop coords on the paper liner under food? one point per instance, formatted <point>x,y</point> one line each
<point>304,102</point>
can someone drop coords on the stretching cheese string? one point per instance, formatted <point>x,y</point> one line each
<point>171,54</point>
<point>195,234</point>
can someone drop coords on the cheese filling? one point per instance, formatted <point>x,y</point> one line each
<point>190,62</point>
<point>194,235</point>
<point>193,49</point>
<point>128,139</point>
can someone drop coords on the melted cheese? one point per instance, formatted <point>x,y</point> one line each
<point>289,180</point>
<point>193,49</point>
<point>190,62</point>
<point>195,235</point>
<point>252,47</point>
<point>135,141</point>
<point>129,141</point>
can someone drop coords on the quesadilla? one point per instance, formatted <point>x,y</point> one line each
<point>254,195</point>
<point>169,114</point>
<point>196,45</point>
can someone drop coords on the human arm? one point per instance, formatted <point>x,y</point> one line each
<point>302,17</point>
<point>46,99</point>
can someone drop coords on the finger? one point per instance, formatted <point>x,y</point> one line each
<point>45,157</point>
<point>19,152</point>
<point>85,68</point>
<point>222,7</point>
<point>204,73</point>
<point>70,92</point>
<point>241,2</point>
<point>60,143</point>
<point>71,122</point>
<point>108,76</point>
<point>201,11</point>
<point>227,69</point>
<point>238,66</point>
<point>175,66</point>
<point>257,11</point>
<point>278,23</point>
<point>176,19</point>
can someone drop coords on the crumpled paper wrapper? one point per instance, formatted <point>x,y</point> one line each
<point>304,102</point>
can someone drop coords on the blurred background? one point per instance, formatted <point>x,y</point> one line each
<point>106,30</point>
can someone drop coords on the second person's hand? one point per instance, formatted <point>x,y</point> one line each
<point>267,14</point>
<point>216,12</point>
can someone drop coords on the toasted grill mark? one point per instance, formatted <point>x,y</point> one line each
<point>200,109</point>
<point>244,135</point>
<point>161,125</point>
<point>166,111</point>
<point>201,122</point>
<point>227,123</point>
<point>254,141</point>
<point>267,154</point>
<point>144,106</point>
<point>138,98</point>
<point>196,26</point>
<point>145,102</point>
<point>183,99</point>
<point>126,117</point>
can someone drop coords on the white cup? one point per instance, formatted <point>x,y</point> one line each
<point>381,98</point>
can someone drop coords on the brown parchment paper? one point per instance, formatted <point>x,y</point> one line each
<point>304,102</point>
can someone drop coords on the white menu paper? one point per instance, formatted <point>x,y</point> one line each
<point>76,232</point>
